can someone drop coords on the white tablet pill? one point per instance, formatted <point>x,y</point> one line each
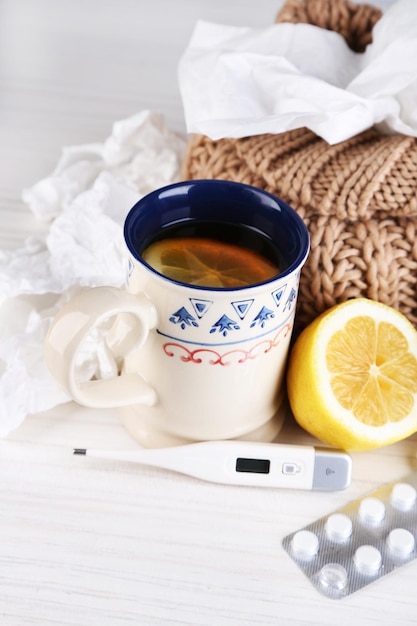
<point>338,527</point>
<point>305,544</point>
<point>403,496</point>
<point>401,542</point>
<point>333,576</point>
<point>372,510</point>
<point>368,560</point>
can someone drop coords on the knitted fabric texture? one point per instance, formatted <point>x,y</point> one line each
<point>358,198</point>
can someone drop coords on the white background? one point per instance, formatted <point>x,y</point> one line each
<point>88,542</point>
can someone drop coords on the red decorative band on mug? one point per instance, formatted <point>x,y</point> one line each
<point>212,357</point>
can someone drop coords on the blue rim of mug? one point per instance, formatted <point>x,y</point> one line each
<point>200,196</point>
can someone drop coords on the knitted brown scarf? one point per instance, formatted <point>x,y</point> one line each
<point>358,198</point>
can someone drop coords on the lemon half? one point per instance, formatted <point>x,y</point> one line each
<point>352,376</point>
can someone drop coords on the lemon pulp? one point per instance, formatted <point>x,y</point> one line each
<point>371,371</point>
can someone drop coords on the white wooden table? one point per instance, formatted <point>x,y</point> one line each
<point>89,542</point>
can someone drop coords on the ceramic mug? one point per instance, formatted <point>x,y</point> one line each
<point>195,363</point>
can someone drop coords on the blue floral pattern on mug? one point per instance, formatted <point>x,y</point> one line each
<point>224,320</point>
<point>224,325</point>
<point>291,299</point>
<point>183,318</point>
<point>263,317</point>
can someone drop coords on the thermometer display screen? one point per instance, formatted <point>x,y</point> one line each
<point>255,466</point>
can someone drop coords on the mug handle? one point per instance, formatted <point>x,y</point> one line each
<point>81,315</point>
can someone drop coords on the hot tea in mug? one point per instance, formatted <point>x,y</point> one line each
<point>213,254</point>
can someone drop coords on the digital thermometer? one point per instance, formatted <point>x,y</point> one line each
<point>246,463</point>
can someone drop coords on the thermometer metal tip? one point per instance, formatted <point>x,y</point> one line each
<point>245,463</point>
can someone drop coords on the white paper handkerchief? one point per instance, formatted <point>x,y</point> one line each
<point>85,200</point>
<point>237,82</point>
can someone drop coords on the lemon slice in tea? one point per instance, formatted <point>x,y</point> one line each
<point>208,263</point>
<point>352,376</point>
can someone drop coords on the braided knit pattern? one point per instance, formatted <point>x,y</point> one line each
<point>358,199</point>
<point>353,21</point>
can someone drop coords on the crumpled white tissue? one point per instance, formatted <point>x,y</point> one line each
<point>84,202</point>
<point>237,82</point>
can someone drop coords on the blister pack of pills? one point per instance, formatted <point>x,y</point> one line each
<point>360,542</point>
